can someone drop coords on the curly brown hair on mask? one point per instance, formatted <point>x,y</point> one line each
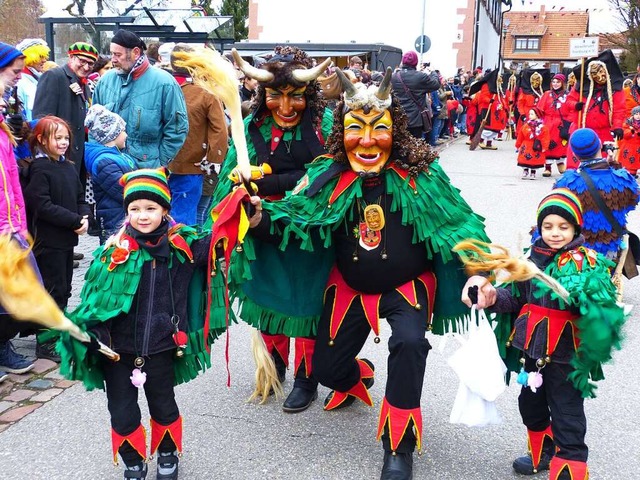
<point>408,153</point>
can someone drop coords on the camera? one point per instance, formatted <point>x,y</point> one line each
<point>609,148</point>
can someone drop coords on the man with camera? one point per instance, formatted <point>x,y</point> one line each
<point>411,86</point>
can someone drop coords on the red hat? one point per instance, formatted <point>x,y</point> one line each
<point>410,59</point>
<point>559,76</point>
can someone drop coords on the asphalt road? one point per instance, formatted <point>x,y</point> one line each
<point>227,438</point>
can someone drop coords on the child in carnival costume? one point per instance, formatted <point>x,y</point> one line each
<point>532,144</point>
<point>286,130</point>
<point>491,105</point>
<point>531,89</point>
<point>144,296</point>
<point>563,340</point>
<point>382,206</point>
<point>630,144</point>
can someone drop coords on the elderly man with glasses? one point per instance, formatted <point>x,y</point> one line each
<point>64,92</point>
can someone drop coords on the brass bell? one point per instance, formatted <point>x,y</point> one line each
<point>418,306</point>
<point>429,327</point>
<point>540,362</point>
<point>376,339</point>
<point>508,344</point>
<point>384,256</point>
<point>331,343</point>
<point>180,353</point>
<point>547,359</point>
<point>522,361</point>
<point>355,259</point>
<point>239,248</point>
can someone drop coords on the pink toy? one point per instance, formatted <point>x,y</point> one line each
<point>534,381</point>
<point>138,377</point>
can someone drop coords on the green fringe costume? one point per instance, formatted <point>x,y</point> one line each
<point>106,294</point>
<point>270,300</point>
<point>429,203</point>
<point>587,277</point>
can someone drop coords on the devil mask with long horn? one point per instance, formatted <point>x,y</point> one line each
<point>286,85</point>
<point>370,129</point>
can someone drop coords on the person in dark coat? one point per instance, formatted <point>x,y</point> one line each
<point>64,93</point>
<point>411,87</point>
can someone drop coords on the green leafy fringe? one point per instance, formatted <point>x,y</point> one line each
<point>601,318</point>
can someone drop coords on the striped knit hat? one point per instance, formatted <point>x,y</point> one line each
<point>34,50</point>
<point>563,202</point>
<point>85,50</point>
<point>8,54</point>
<point>148,184</point>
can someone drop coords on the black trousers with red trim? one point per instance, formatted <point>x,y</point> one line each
<point>122,398</point>
<point>559,403</point>
<point>336,367</point>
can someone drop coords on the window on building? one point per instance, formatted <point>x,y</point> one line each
<point>524,43</point>
<point>555,68</point>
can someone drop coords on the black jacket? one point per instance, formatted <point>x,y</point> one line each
<point>54,97</point>
<point>55,203</point>
<point>420,84</point>
<point>147,328</point>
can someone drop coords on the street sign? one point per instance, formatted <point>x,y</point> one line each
<point>583,47</point>
<point>423,44</point>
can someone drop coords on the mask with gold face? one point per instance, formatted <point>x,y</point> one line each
<point>598,72</point>
<point>571,80</point>
<point>536,80</point>
<point>285,81</point>
<point>368,124</point>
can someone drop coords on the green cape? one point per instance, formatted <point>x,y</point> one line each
<point>107,294</point>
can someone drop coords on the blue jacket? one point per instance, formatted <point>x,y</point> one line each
<point>106,165</point>
<point>155,111</point>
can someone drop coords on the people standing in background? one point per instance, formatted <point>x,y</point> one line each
<point>57,213</point>
<point>630,144</point>
<point>206,145</point>
<point>148,99</point>
<point>36,53</point>
<point>13,221</point>
<point>411,87</point>
<point>65,93</point>
<point>106,163</point>
<point>11,65</point>
<point>550,106</point>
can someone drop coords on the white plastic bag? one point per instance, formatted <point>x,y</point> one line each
<point>472,410</point>
<point>481,371</point>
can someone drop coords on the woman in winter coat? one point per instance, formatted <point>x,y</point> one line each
<point>549,105</point>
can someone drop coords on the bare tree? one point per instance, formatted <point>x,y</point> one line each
<point>24,16</point>
<point>628,39</point>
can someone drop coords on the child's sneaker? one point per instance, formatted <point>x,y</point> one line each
<point>135,471</point>
<point>547,171</point>
<point>167,465</point>
<point>525,174</point>
<point>532,175</point>
<point>11,361</point>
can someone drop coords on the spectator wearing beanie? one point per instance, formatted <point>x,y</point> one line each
<point>36,52</point>
<point>617,189</point>
<point>148,99</point>
<point>411,87</point>
<point>106,163</point>
<point>11,65</point>
<point>64,93</point>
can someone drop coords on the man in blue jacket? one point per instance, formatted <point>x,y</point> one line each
<point>147,98</point>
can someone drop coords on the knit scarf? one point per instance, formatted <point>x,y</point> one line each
<point>156,243</point>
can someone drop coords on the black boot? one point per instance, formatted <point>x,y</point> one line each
<point>139,470</point>
<point>397,466</point>
<point>368,382</point>
<point>167,465</point>
<point>524,465</point>
<point>305,391</point>
<point>281,367</point>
